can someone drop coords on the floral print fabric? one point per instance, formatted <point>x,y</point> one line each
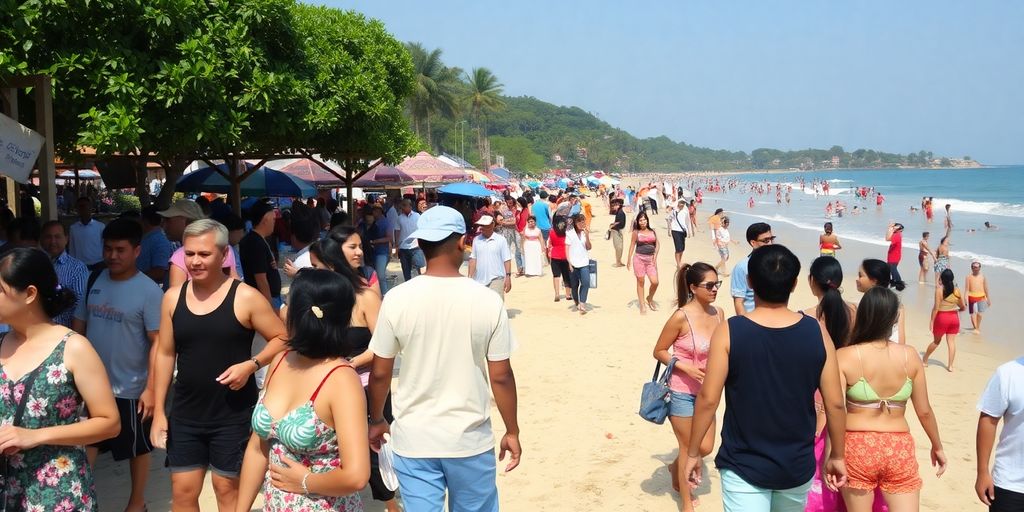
<point>46,478</point>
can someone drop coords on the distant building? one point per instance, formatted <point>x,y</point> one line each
<point>835,161</point>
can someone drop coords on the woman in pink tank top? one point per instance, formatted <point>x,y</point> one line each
<point>686,338</point>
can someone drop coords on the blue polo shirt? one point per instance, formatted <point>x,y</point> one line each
<point>738,284</point>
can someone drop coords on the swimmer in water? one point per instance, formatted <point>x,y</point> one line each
<point>991,227</point>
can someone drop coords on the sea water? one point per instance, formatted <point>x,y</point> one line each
<point>993,194</point>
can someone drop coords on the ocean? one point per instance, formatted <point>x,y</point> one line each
<point>993,194</point>
<point>975,196</point>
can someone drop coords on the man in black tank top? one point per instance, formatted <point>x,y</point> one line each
<point>207,325</point>
<point>770,362</point>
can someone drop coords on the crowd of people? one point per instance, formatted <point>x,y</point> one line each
<point>107,349</point>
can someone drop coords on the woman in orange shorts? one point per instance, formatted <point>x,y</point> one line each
<point>643,259</point>
<point>880,378</point>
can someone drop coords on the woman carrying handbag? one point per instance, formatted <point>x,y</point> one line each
<point>688,334</point>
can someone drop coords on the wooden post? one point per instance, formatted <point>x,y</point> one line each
<point>236,184</point>
<point>10,108</point>
<point>44,125</point>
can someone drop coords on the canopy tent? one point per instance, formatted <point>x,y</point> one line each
<point>82,174</point>
<point>308,171</point>
<point>426,168</point>
<point>501,172</point>
<point>477,176</point>
<point>465,189</point>
<point>260,183</point>
<point>608,181</point>
<point>385,176</point>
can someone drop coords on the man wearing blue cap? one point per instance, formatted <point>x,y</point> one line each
<point>441,434</point>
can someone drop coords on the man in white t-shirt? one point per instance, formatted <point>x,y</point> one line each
<point>490,260</point>
<point>677,220</point>
<point>1002,488</point>
<point>409,255</point>
<point>441,435</point>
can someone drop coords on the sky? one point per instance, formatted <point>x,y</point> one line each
<point>940,75</point>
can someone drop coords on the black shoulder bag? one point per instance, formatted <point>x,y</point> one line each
<point>18,413</point>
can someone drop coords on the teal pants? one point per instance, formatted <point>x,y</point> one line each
<point>740,496</point>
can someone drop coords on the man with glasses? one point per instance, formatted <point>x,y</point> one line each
<point>759,234</point>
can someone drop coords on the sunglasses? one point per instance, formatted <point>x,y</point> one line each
<point>710,285</point>
<point>766,240</point>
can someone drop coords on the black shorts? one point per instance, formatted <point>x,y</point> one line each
<point>134,437</point>
<point>679,240</point>
<point>218,447</point>
<point>560,268</point>
<point>1006,501</point>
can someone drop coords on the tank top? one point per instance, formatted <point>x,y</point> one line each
<point>359,340</point>
<point>768,427</point>
<point>557,245</point>
<point>689,348</point>
<point>206,346</point>
<point>645,243</point>
<point>951,302</point>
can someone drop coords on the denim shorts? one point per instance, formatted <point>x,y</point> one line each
<point>681,405</point>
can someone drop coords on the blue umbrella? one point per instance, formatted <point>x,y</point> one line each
<point>263,182</point>
<point>466,189</point>
<point>564,183</point>
<point>592,181</point>
<point>501,172</point>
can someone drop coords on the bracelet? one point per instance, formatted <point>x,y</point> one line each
<point>256,362</point>
<point>305,490</point>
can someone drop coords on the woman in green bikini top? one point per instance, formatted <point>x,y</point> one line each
<point>309,449</point>
<point>880,378</point>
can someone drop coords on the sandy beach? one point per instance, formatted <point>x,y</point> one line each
<point>579,381</point>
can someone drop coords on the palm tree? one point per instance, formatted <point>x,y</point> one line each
<point>436,89</point>
<point>483,97</point>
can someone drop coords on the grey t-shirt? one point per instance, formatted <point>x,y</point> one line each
<point>118,314</point>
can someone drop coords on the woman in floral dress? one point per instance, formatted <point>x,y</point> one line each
<point>309,449</point>
<point>44,455</point>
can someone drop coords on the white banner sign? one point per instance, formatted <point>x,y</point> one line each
<point>19,148</point>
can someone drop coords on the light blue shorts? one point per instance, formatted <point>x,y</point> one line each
<point>740,496</point>
<point>469,481</point>
<point>681,405</point>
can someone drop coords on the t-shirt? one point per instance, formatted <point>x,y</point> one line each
<point>722,236</point>
<point>522,218</point>
<point>738,284</point>
<point>895,247</point>
<point>154,251</point>
<point>258,259</point>
<point>118,314</point>
<point>85,242</point>
<point>407,226</point>
<point>178,260</point>
<point>620,219</point>
<point>678,220</point>
<point>442,403</point>
<point>1004,398</point>
<point>543,215</point>
<point>378,230</point>
<point>576,249</point>
<point>302,259</point>
<point>490,255</point>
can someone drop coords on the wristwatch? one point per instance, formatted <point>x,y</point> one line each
<point>256,362</point>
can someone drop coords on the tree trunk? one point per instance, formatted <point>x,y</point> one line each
<point>430,136</point>
<point>174,168</point>
<point>139,168</point>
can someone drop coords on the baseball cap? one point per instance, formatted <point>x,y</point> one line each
<point>485,220</point>
<point>184,208</point>
<point>439,223</point>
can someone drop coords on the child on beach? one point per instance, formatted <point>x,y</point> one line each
<point>978,299</point>
<point>923,253</point>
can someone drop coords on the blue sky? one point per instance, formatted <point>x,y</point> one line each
<point>944,76</point>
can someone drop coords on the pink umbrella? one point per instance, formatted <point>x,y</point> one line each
<point>425,168</point>
<point>384,176</point>
<point>307,170</point>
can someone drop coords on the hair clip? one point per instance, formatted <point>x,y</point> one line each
<point>317,312</point>
<point>59,287</point>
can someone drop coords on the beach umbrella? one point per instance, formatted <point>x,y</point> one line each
<point>263,182</point>
<point>477,176</point>
<point>501,172</point>
<point>465,189</point>
<point>308,171</point>
<point>608,181</point>
<point>532,183</point>
<point>564,183</point>
<point>592,181</point>
<point>426,168</point>
<point>83,174</point>
<point>385,176</point>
